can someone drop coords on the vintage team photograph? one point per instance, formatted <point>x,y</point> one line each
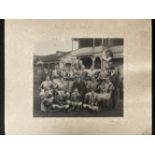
<point>78,77</point>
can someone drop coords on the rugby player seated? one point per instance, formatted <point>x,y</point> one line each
<point>62,101</point>
<point>91,101</point>
<point>47,100</point>
<point>80,85</point>
<point>91,72</point>
<point>105,92</point>
<point>76,100</point>
<point>91,84</point>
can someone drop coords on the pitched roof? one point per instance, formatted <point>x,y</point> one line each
<point>51,57</point>
<point>117,52</point>
<point>98,49</point>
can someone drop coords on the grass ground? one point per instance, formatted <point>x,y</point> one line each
<point>116,112</point>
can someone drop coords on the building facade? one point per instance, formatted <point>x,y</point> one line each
<point>88,50</point>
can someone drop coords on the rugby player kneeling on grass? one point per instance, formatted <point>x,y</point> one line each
<point>76,100</point>
<point>90,102</point>
<point>62,101</point>
<point>47,99</point>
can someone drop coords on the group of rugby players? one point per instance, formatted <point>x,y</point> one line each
<point>76,89</point>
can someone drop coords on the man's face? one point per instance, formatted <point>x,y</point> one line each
<point>47,78</point>
<point>46,93</point>
<point>76,91</point>
<point>62,93</point>
<point>83,67</point>
<point>67,94</point>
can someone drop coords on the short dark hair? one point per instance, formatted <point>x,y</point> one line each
<point>110,52</point>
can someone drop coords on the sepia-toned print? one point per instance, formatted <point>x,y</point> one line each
<point>84,81</point>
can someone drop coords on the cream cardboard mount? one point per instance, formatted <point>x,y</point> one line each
<point>23,38</point>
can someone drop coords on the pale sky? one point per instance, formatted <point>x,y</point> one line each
<point>45,47</point>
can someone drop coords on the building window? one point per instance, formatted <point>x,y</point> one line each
<point>97,62</point>
<point>51,67</point>
<point>85,42</point>
<point>39,68</point>
<point>87,62</point>
<point>68,66</point>
<point>98,42</point>
<point>45,68</point>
